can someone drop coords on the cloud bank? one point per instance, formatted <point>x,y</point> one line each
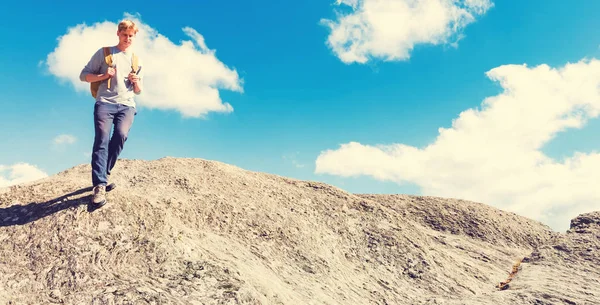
<point>389,29</point>
<point>184,77</point>
<point>494,154</point>
<point>19,173</point>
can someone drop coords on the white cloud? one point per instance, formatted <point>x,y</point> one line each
<point>64,139</point>
<point>493,154</point>
<point>185,77</point>
<point>389,29</point>
<point>19,173</point>
<point>293,158</point>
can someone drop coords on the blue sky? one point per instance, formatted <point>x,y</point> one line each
<point>299,100</point>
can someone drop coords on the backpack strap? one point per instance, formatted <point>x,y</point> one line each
<point>134,64</point>
<point>108,60</point>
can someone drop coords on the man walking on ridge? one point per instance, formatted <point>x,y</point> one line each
<point>114,74</point>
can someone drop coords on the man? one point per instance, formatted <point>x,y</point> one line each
<point>115,105</point>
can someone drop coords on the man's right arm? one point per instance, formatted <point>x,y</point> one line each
<point>91,72</point>
<point>90,78</point>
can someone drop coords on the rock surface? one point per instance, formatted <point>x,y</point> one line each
<point>192,231</point>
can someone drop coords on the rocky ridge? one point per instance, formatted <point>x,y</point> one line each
<point>192,231</point>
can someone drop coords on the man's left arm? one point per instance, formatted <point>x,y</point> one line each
<point>137,86</point>
<point>137,80</point>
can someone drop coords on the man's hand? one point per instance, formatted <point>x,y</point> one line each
<point>110,72</point>
<point>133,78</point>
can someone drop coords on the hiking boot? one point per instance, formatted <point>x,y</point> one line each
<point>110,187</point>
<point>99,197</point>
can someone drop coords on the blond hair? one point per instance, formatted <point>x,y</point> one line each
<point>126,25</point>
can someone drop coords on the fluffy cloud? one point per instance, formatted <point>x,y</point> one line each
<point>493,154</point>
<point>64,139</point>
<point>19,173</point>
<point>185,77</point>
<point>389,29</point>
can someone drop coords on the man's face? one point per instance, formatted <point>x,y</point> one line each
<point>126,37</point>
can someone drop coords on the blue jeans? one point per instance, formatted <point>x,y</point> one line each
<point>106,149</point>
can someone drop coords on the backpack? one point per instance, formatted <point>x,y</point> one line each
<point>108,59</point>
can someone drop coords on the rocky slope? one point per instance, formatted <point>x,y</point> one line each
<point>191,231</point>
